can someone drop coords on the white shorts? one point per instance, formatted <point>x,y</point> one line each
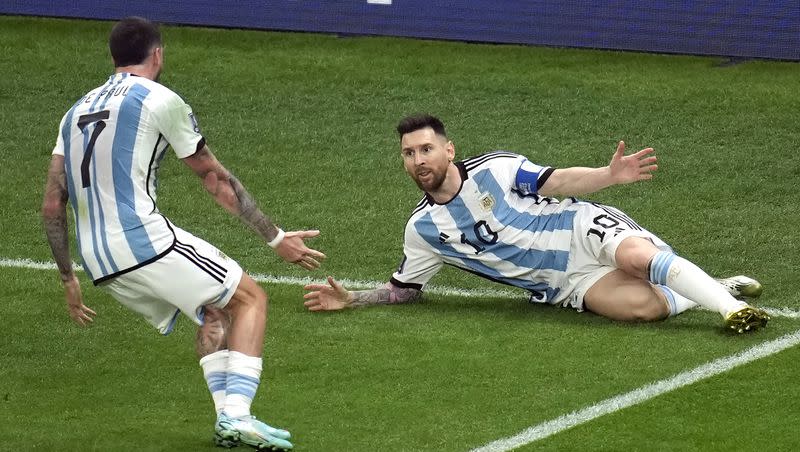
<point>191,275</point>
<point>597,232</point>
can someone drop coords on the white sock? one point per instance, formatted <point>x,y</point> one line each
<point>676,303</point>
<point>688,280</point>
<point>244,373</point>
<point>215,370</point>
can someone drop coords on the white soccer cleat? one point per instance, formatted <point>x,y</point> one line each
<point>742,286</point>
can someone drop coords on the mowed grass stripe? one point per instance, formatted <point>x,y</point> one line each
<point>352,283</point>
<point>641,394</point>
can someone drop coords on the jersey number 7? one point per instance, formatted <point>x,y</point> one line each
<point>83,121</point>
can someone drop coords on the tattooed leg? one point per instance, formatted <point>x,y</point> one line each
<point>212,335</point>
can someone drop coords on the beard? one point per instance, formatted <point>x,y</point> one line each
<point>433,183</point>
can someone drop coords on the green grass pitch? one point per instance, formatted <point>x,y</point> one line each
<point>306,121</point>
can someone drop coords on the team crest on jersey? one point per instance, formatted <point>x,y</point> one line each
<point>487,202</point>
<point>194,123</point>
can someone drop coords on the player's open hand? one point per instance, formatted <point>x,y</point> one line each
<point>78,312</point>
<point>293,249</point>
<point>326,297</point>
<point>632,168</point>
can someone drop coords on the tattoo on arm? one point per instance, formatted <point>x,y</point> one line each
<point>56,229</point>
<point>249,212</point>
<point>54,216</point>
<point>229,192</point>
<point>388,294</point>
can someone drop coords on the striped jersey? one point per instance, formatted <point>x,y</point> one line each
<point>113,140</point>
<point>497,227</point>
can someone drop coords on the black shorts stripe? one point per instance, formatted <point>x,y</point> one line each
<point>191,259</point>
<point>202,261</point>
<point>618,215</point>
<point>193,250</point>
<point>622,217</point>
<point>103,279</point>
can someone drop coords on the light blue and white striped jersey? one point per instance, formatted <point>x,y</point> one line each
<point>113,140</point>
<point>497,227</point>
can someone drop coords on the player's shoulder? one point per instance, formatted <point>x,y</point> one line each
<point>421,208</point>
<point>158,93</point>
<point>489,159</point>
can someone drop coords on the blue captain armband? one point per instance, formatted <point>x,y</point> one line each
<point>531,177</point>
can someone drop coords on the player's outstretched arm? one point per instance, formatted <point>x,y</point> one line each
<point>229,193</point>
<point>623,169</point>
<point>54,216</point>
<point>333,296</point>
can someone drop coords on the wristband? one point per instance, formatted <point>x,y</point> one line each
<point>278,239</point>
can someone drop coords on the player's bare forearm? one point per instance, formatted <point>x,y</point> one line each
<point>229,192</point>
<point>577,181</point>
<point>333,296</point>
<point>623,169</point>
<point>57,237</point>
<point>249,212</point>
<point>384,295</point>
<point>54,217</point>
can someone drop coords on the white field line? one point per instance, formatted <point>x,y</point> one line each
<point>640,395</point>
<point>294,281</point>
<point>575,418</point>
<point>356,284</point>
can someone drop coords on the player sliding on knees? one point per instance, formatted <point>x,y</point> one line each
<point>494,215</point>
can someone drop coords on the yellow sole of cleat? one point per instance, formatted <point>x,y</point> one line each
<point>746,319</point>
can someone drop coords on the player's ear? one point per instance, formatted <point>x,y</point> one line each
<point>451,151</point>
<point>158,55</point>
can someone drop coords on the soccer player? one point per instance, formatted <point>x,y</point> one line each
<point>494,215</point>
<point>105,164</point>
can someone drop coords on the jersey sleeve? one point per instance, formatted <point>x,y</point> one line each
<point>420,262</point>
<point>59,148</point>
<point>175,120</point>
<point>530,177</point>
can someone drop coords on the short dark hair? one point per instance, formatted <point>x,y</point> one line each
<point>132,39</point>
<point>420,121</point>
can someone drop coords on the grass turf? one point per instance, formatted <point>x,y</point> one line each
<point>306,122</point>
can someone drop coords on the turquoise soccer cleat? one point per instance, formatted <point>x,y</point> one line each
<point>230,432</point>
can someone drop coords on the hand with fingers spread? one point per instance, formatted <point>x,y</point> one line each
<point>632,168</point>
<point>327,297</point>
<point>293,249</point>
<point>78,312</point>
